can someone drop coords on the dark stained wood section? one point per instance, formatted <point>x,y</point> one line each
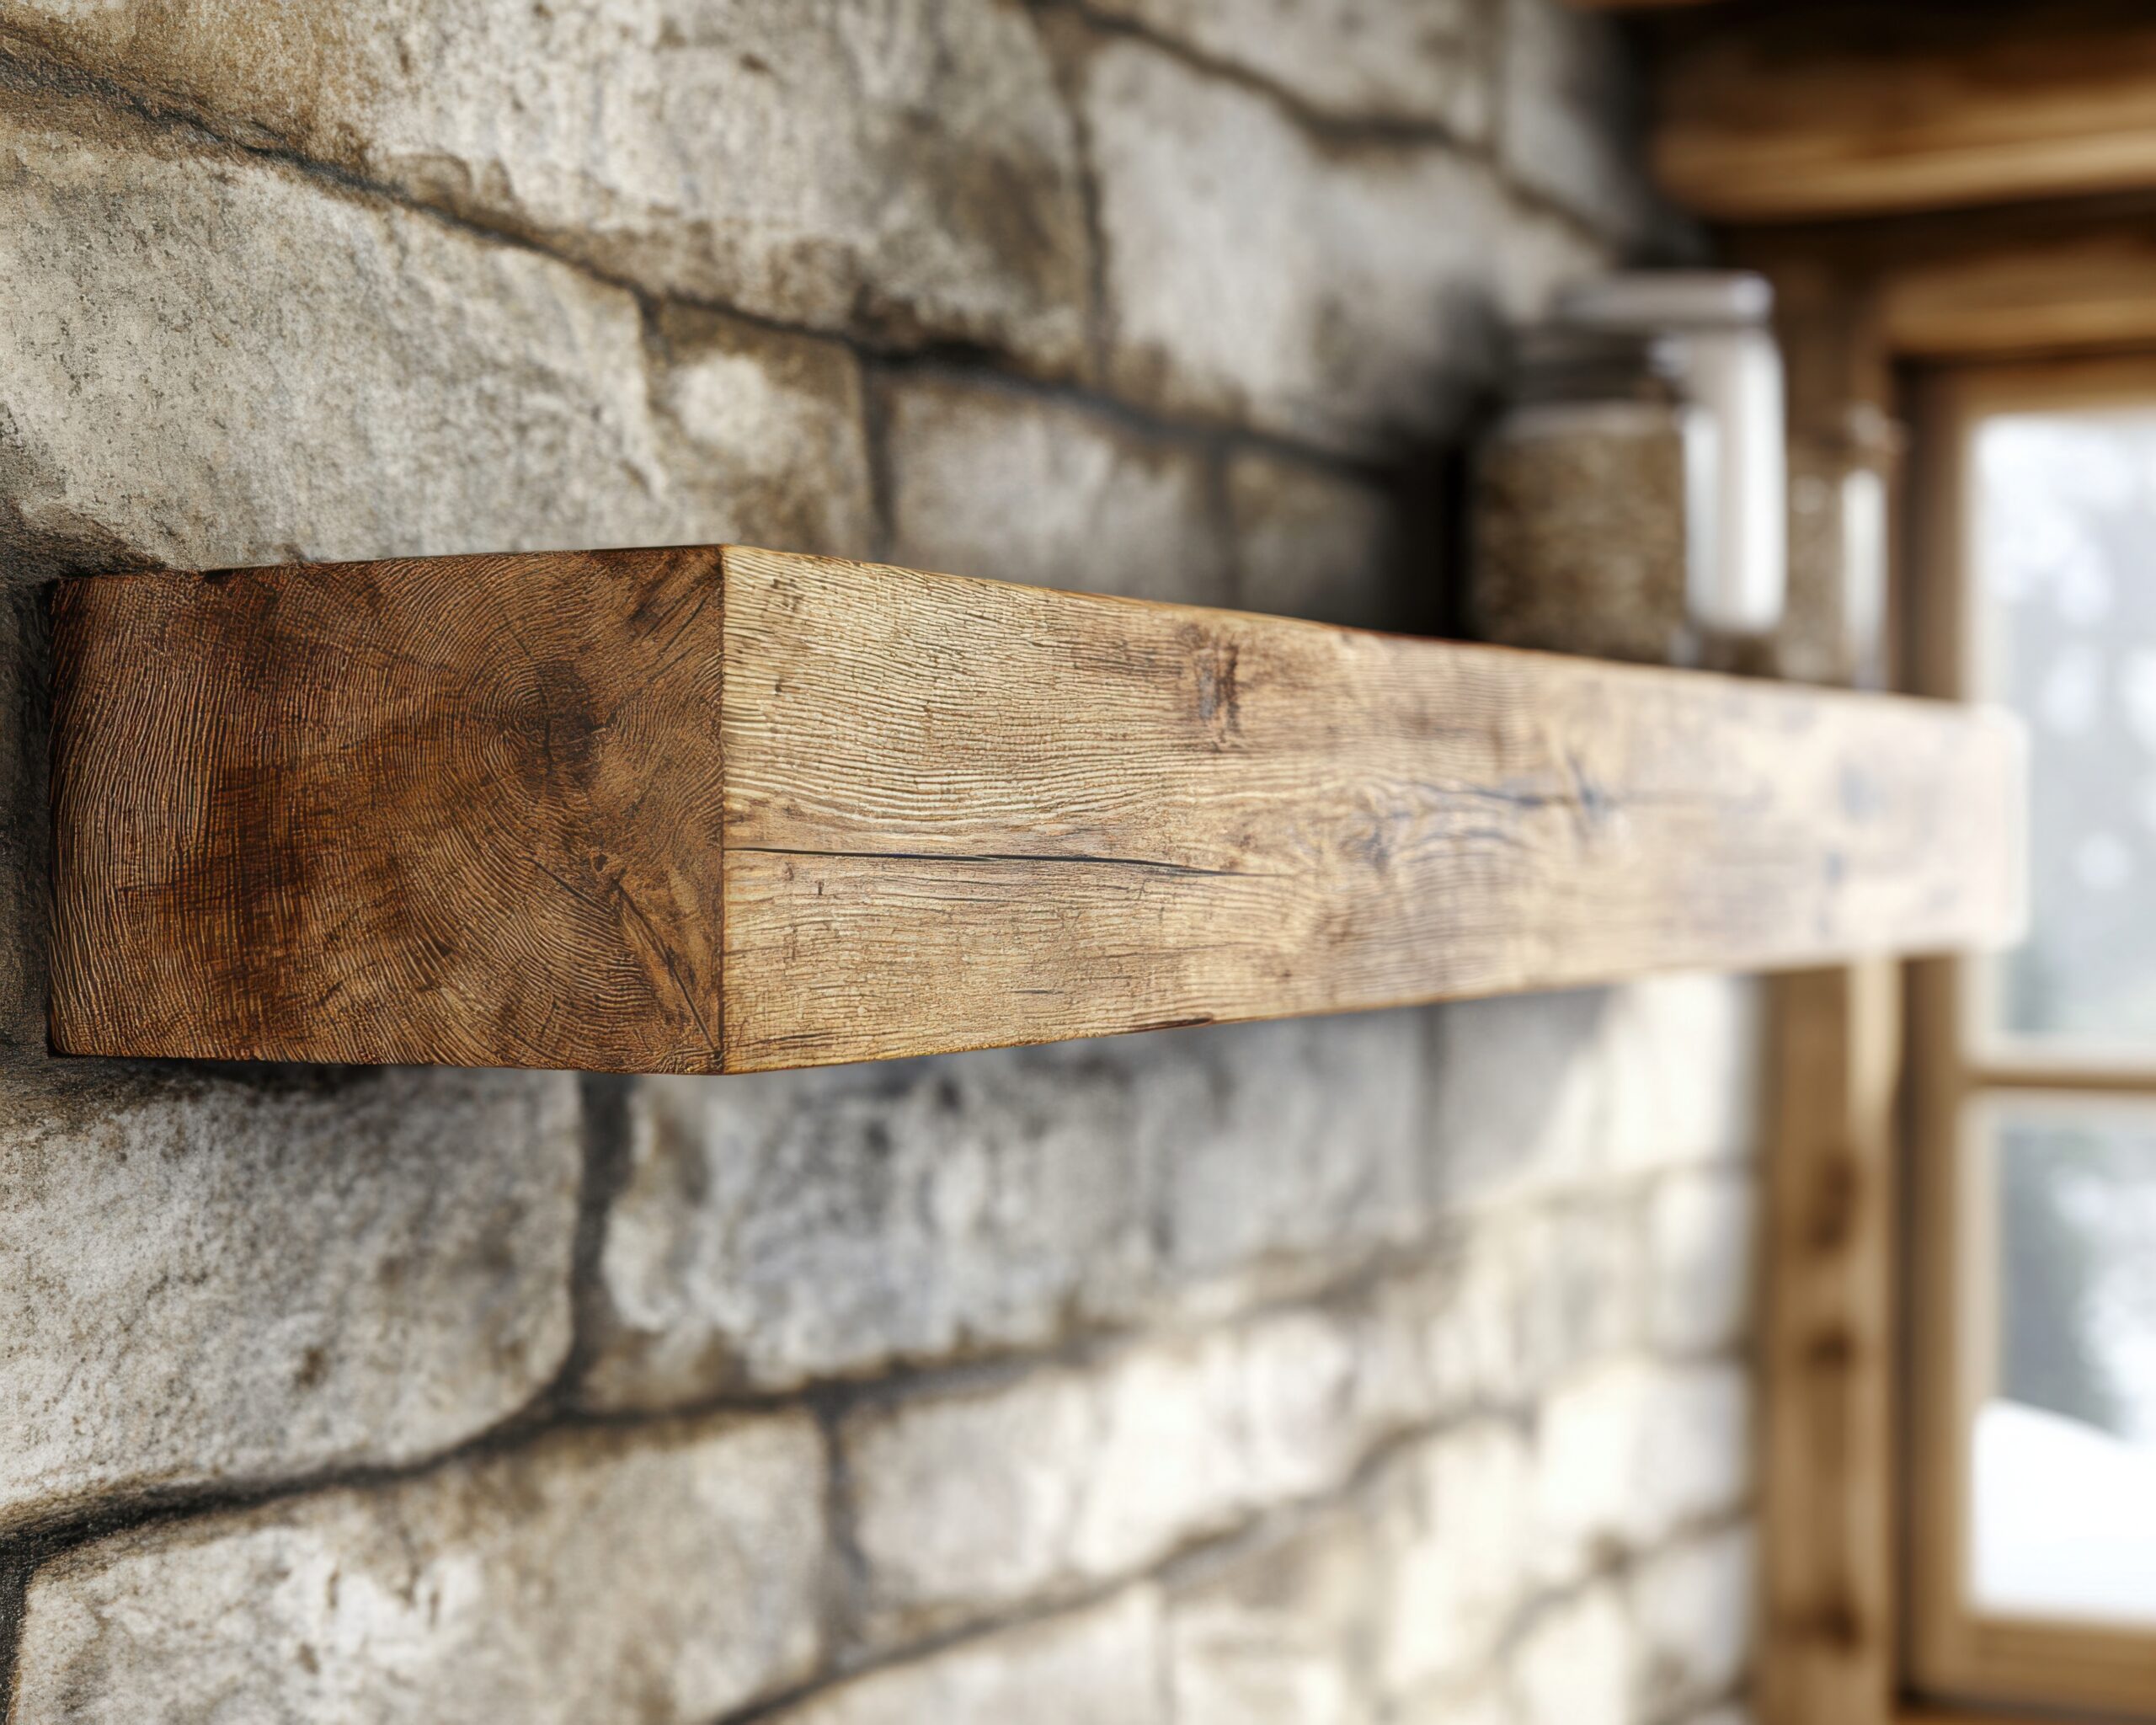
<point>704,810</point>
<point>462,811</point>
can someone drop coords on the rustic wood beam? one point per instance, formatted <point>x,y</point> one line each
<point>1833,111</point>
<point>725,809</point>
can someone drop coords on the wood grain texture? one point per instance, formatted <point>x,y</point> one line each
<point>537,810</point>
<point>1826,1496</point>
<point>1838,111</point>
<point>462,811</point>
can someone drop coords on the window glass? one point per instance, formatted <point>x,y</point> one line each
<point>2065,544</point>
<point>2063,1455</point>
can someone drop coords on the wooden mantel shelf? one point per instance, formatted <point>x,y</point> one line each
<point>720,809</point>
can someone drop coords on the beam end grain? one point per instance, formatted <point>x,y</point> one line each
<point>703,810</point>
<point>462,810</point>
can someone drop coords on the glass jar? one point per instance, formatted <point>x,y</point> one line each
<point>1632,502</point>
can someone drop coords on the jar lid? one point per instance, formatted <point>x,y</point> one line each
<point>1554,362</point>
<point>1668,300</point>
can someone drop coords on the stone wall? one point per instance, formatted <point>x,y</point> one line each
<point>1388,1367</point>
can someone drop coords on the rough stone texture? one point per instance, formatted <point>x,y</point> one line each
<point>206,1281</point>
<point>780,1228</point>
<point>1693,1604</point>
<point>898,166</point>
<point>1568,97</point>
<point>1455,1573</point>
<point>1036,1485</point>
<point>1631,1452</point>
<point>1099,1666</point>
<point>1312,543</point>
<point>1543,1093</point>
<point>1702,1244</point>
<point>1348,296</point>
<point>970,1502</point>
<point>665,1576</point>
<point>986,481</point>
<point>1277,1634</point>
<point>338,378</point>
<point>1421,62</point>
<point>1576,1665</point>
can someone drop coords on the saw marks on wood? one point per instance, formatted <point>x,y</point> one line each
<point>732,809</point>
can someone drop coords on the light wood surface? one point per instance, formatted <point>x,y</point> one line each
<point>1827,1499</point>
<point>1841,111</point>
<point>730,810</point>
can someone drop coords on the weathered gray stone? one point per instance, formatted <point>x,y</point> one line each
<point>1630,1452</point>
<point>1487,1702</point>
<point>782,1228</point>
<point>899,167</point>
<point>1682,1066</point>
<point>1309,1149</point>
<point>1312,543</point>
<point>762,434</point>
<point>667,1574</point>
<point>1422,63</point>
<point>1342,296</point>
<point>1548,1093</point>
<point>1575,1664</point>
<point>211,359</point>
<point>969,1501</point>
<point>1105,509</point>
<point>203,1280</point>
<point>1693,1604</point>
<point>1276,1632</point>
<point>1570,121</point>
<point>1099,1666</point>
<point>1582,1283</point>
<point>1451,1515</point>
<point>778,1228</point>
<point>1702,1245</point>
<point>1531,1295</point>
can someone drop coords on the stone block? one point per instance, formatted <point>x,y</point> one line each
<point>774,1230</point>
<point>762,432</point>
<point>1422,65</point>
<point>1631,1452</point>
<point>1693,1603</point>
<point>971,1501</point>
<point>1018,486</point>
<point>1311,543</point>
<point>1098,1666</point>
<point>1276,1630</point>
<point>1574,1665</point>
<point>211,359</point>
<point>1548,1093</point>
<point>1683,1071</point>
<point>1702,1253</point>
<point>1451,1515</point>
<point>1348,296</point>
<point>899,169</point>
<point>207,1281</point>
<point>668,1574</point>
<point>1570,124</point>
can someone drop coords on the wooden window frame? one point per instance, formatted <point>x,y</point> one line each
<point>1851,1632</point>
<point>1960,1070</point>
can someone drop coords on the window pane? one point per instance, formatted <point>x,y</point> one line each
<point>2063,1479</point>
<point>2065,551</point>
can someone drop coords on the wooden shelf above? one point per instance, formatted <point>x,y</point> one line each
<point>720,809</point>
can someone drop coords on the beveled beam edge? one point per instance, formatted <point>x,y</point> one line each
<point>722,809</point>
